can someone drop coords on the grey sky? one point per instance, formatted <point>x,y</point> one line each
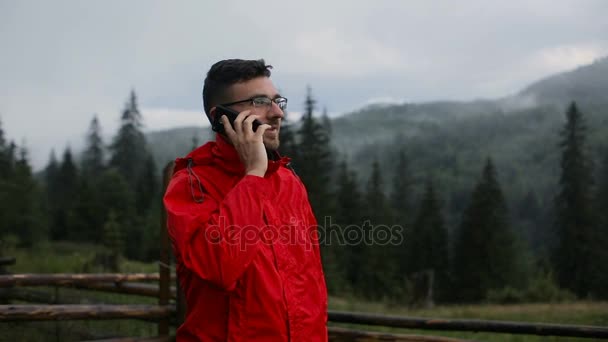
<point>62,61</point>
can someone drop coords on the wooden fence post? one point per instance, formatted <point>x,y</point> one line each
<point>164,262</point>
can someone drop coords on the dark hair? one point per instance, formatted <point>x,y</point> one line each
<point>225,73</point>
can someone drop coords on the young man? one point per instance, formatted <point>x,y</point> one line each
<point>243,232</point>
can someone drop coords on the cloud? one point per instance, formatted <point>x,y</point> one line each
<point>63,61</point>
<point>334,52</point>
<point>564,57</point>
<point>162,118</point>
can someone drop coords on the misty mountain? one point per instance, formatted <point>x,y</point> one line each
<point>587,84</point>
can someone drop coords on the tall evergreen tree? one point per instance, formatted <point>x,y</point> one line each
<point>4,157</point>
<point>129,146</point>
<point>86,216</point>
<point>429,241</point>
<point>314,161</point>
<point>51,185</point>
<point>347,251</point>
<point>25,207</point>
<point>401,191</point>
<point>485,256</point>
<point>131,158</point>
<point>93,157</point>
<point>51,171</point>
<point>62,194</point>
<point>113,240</point>
<point>5,182</point>
<point>287,137</point>
<point>326,121</point>
<point>379,268</point>
<point>573,257</point>
<point>2,138</point>
<point>119,199</point>
<point>600,245</point>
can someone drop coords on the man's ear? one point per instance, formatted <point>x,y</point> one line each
<point>212,113</point>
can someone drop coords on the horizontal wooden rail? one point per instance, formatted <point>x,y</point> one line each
<point>342,334</point>
<point>147,290</point>
<point>469,325</point>
<point>7,261</point>
<point>43,297</point>
<point>71,279</point>
<point>80,312</point>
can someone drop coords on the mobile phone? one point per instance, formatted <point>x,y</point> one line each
<point>231,114</point>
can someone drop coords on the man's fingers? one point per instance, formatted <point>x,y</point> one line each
<point>248,123</point>
<point>238,122</point>
<point>228,128</point>
<point>263,127</point>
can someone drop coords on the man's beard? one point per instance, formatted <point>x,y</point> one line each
<point>272,144</point>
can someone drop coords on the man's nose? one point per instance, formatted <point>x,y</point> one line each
<point>276,111</point>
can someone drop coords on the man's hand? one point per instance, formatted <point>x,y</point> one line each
<point>248,144</point>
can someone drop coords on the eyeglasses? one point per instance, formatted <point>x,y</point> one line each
<point>262,101</point>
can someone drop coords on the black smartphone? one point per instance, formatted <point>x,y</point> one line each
<point>231,114</point>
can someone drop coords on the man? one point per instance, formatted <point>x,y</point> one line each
<point>242,228</point>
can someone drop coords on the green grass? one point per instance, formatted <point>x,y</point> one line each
<point>577,313</point>
<point>67,257</point>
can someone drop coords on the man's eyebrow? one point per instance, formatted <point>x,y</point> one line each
<point>264,95</point>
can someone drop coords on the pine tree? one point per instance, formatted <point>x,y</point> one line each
<point>51,171</point>
<point>93,157</point>
<point>131,158</point>
<point>485,256</point>
<point>287,137</point>
<point>62,192</point>
<point>86,216</point>
<point>347,251</point>
<point>147,186</point>
<point>113,240</point>
<point>378,210</point>
<point>529,219</point>
<point>380,265</point>
<point>119,199</point>
<point>25,208</point>
<point>5,182</point>
<point>129,145</point>
<point>400,192</point>
<point>314,161</point>
<point>326,121</point>
<point>573,257</point>
<point>428,243</point>
<point>5,167</point>
<point>600,245</point>
<point>2,138</point>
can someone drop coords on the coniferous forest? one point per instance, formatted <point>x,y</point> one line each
<point>411,218</point>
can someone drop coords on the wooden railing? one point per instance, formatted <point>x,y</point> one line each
<point>166,313</point>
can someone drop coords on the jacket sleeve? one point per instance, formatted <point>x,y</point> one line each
<point>216,239</point>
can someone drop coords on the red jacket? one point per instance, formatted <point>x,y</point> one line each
<point>247,250</point>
